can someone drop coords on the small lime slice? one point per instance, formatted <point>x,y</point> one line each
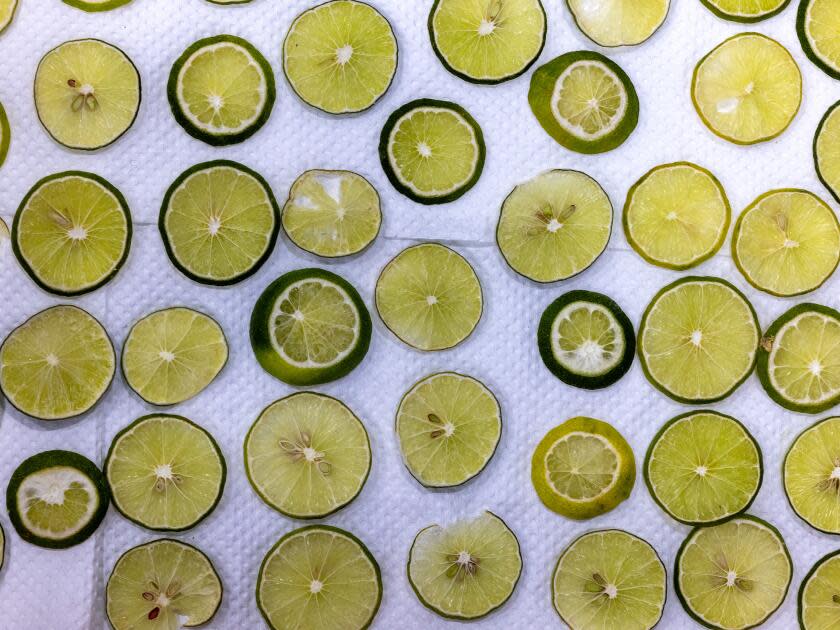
<point>676,216</point>
<point>827,150</point>
<point>817,25</point>
<point>467,569</point>
<point>87,93</point>
<point>164,583</point>
<point>7,13</point>
<point>819,594</point>
<point>5,135</point>
<point>56,499</point>
<point>619,22</point>
<point>93,6</point>
<point>734,575</point>
<point>171,355</point>
<point>49,374</point>
<point>583,468</point>
<point>745,11</point>
<point>429,297</point>
<point>165,472</point>
<point>307,455</point>
<point>332,213</point>
<point>609,579</point>
<point>319,577</point>
<point>72,233</point>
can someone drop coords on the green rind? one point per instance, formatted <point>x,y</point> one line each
<point>801,593</point>
<point>595,41</point>
<point>823,121</point>
<point>2,30</point>
<point>801,15</point>
<point>742,19</point>
<point>96,7</point>
<point>5,134</point>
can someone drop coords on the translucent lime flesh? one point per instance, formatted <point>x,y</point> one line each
<point>619,22</point>
<point>822,25</point>
<point>812,475</point>
<point>587,339</point>
<point>56,502</point>
<point>582,466</point>
<point>589,100</point>
<point>827,151</point>
<point>818,607</point>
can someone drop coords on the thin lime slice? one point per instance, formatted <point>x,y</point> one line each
<point>817,25</point>
<point>319,577</point>
<point>87,93</point>
<point>165,472</point>
<point>307,455</point>
<point>57,364</point>
<point>429,297</point>
<point>219,222</point>
<point>734,575</point>
<point>93,6</point>
<point>584,101</point>
<point>827,150</point>
<point>703,467</point>
<point>676,216</point>
<point>164,583</point>
<point>819,595</point>
<point>609,579</point>
<point>72,232</point>
<point>2,547</point>
<point>811,475</point>
<point>555,225</point>
<point>309,327</point>
<point>221,90</point>
<point>7,13</point>
<point>171,355</point>
<point>56,499</point>
<point>467,569</point>
<point>698,340</point>
<point>583,468</point>
<point>619,22</point>
<point>448,426</point>
<point>488,41</point>
<point>5,135</point>
<point>745,11</point>
<point>332,213</point>
<point>748,89</point>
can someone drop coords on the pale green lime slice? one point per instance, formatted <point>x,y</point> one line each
<point>818,25</point>
<point>745,10</point>
<point>94,6</point>
<point>827,150</point>
<point>619,22</point>
<point>7,13</point>
<point>5,135</point>
<point>819,595</point>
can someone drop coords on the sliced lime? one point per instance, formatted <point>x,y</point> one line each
<point>5,135</point>
<point>817,25</point>
<point>165,472</point>
<point>7,13</point>
<point>745,11</point>
<point>827,150</point>
<point>307,455</point>
<point>92,6</point>
<point>227,2</point>
<point>2,547</point>
<point>819,595</point>
<point>619,22</point>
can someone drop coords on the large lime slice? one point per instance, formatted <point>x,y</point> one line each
<point>7,13</point>
<point>93,6</point>
<point>5,135</point>
<point>827,150</point>
<point>818,25</point>
<point>745,11</point>
<point>819,595</point>
<point>619,22</point>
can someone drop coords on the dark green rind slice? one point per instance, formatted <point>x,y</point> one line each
<point>801,14</point>
<point>834,193</point>
<point>740,18</point>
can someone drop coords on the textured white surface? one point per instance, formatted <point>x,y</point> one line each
<point>42,590</point>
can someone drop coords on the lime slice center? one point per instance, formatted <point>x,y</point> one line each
<point>587,338</point>
<point>582,466</point>
<point>589,100</point>
<point>56,502</point>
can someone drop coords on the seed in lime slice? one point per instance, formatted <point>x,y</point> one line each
<point>5,135</point>
<point>811,475</point>
<point>819,595</point>
<point>619,22</point>
<point>817,24</point>
<point>307,455</point>
<point>7,13</point>
<point>745,11</point>
<point>827,150</point>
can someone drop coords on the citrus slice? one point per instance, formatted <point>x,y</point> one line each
<point>219,222</point>
<point>49,374</point>
<point>72,232</point>
<point>703,467</point>
<point>555,225</point>
<point>171,355</point>
<point>584,101</point>
<point>819,595</point>
<point>309,327</point>
<point>7,13</point>
<point>448,426</point>
<point>228,2</point>
<point>432,151</point>
<point>221,90</point>
<point>619,22</point>
<point>609,579</point>
<point>319,577</point>
<point>87,93</point>
<point>5,235</point>
<point>748,89</point>
<point>429,297</point>
<point>745,11</point>
<point>2,547</point>
<point>467,569</point>
<point>826,153</point>
<point>734,575</point>
<point>583,468</point>
<point>332,213</point>
<point>56,499</point>
<point>698,340</point>
<point>164,583</point>
<point>817,25</point>
<point>165,472</point>
<point>5,135</point>
<point>676,216</point>
<point>489,41</point>
<point>92,6</point>
<point>307,455</point>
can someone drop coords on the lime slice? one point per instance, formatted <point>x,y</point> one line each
<point>748,89</point>
<point>219,222</point>
<point>5,135</point>
<point>745,11</point>
<point>221,90</point>
<point>164,583</point>
<point>92,6</point>
<point>467,569</point>
<point>429,297</point>
<point>583,468</point>
<point>4,233</point>
<point>319,577</point>
<point>555,225</point>
<point>307,455</point>
<point>432,151</point>
<point>698,340</point>
<point>171,355</point>
<point>734,575</point>
<point>7,13</point>
<point>56,499</point>
<point>676,216</point>
<point>2,547</point>
<point>817,25</point>
<point>309,327</point>
<point>819,595</point>
<point>72,232</point>
<point>165,472</point>
<point>619,22</point>
<point>87,93</point>
<point>332,213</point>
<point>488,41</point>
<point>584,101</point>
<point>49,374</point>
<point>228,2</point>
<point>448,426</point>
<point>827,150</point>
<point>703,467</point>
<point>811,475</point>
<point>609,579</point>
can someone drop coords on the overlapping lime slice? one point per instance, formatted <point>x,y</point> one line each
<point>811,475</point>
<point>746,11</point>
<point>827,150</point>
<point>5,135</point>
<point>7,13</point>
<point>619,22</point>
<point>819,595</point>
<point>818,24</point>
